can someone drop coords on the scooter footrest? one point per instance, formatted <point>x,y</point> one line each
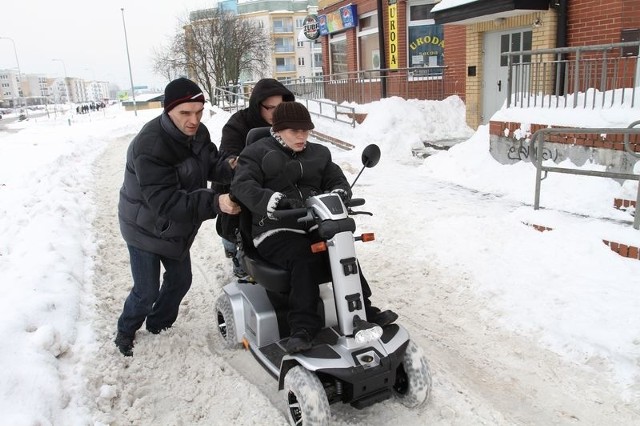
<point>369,400</point>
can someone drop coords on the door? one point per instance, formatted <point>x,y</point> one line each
<point>496,69</point>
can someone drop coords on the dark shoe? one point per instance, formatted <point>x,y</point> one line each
<point>153,330</point>
<point>382,318</point>
<point>238,271</point>
<point>298,342</point>
<point>124,342</point>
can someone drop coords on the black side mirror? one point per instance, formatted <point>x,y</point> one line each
<point>371,155</point>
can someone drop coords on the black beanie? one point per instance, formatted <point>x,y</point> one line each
<point>179,91</point>
<point>291,115</point>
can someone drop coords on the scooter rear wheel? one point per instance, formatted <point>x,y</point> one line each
<point>306,398</point>
<point>226,324</point>
<point>413,377</point>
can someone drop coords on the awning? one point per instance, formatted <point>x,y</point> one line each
<point>469,12</point>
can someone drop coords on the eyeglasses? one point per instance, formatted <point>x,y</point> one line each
<point>268,107</point>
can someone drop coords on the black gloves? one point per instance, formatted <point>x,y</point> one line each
<point>289,203</point>
<point>279,201</point>
<point>342,193</point>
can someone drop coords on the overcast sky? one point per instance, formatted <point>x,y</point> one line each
<point>88,36</point>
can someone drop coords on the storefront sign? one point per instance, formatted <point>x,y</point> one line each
<point>338,20</point>
<point>311,28</point>
<point>426,47</point>
<point>393,35</point>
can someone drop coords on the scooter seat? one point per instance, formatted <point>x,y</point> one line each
<point>268,275</point>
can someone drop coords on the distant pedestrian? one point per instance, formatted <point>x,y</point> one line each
<point>163,201</point>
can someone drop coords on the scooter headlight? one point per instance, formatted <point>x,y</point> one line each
<point>368,335</point>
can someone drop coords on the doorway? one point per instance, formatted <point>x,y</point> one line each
<point>496,70</point>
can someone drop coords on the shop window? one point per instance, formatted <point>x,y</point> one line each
<point>425,39</point>
<point>368,42</point>
<point>338,55</point>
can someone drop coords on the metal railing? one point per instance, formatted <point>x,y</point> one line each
<point>538,140</point>
<point>237,97</point>
<point>597,76</point>
<point>370,85</point>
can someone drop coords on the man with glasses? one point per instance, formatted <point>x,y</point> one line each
<point>266,95</point>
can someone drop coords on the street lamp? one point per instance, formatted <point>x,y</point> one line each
<point>66,88</point>
<point>126,43</point>
<point>15,52</point>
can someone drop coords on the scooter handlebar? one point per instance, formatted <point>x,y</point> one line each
<point>281,214</point>
<point>354,202</point>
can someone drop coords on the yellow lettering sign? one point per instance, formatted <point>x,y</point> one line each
<point>393,36</point>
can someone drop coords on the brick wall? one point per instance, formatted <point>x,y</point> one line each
<point>455,37</point>
<point>609,141</point>
<point>595,21</point>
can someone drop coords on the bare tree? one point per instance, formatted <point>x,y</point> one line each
<point>170,61</point>
<point>216,47</point>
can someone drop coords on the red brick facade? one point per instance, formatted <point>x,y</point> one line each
<point>425,89</point>
<point>609,141</point>
<point>600,21</point>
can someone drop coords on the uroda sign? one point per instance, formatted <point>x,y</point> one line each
<point>393,34</point>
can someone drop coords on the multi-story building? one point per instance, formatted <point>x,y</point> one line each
<point>38,89</point>
<point>292,56</point>
<point>10,89</point>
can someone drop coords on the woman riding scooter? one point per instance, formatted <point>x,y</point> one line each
<point>287,242</point>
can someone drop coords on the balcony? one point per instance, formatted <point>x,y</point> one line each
<point>282,29</point>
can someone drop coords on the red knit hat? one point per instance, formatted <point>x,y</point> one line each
<point>179,91</point>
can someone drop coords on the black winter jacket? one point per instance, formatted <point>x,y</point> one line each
<point>254,189</point>
<point>234,132</point>
<point>234,135</point>
<point>164,198</point>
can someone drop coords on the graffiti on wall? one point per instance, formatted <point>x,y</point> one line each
<point>522,153</point>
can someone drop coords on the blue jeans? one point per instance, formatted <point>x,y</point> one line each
<point>148,300</point>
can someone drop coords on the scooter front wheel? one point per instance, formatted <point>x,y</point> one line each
<point>306,398</point>
<point>413,377</point>
<point>226,324</point>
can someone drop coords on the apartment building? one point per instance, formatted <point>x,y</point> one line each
<point>10,90</point>
<point>39,89</point>
<point>292,56</point>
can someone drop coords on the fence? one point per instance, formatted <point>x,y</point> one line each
<point>372,85</point>
<point>588,77</point>
<point>235,98</point>
<point>539,137</point>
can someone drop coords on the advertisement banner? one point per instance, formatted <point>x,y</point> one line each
<point>338,20</point>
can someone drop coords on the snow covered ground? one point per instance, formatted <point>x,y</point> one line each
<point>520,327</point>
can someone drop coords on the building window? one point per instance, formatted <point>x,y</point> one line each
<point>425,39</point>
<point>338,54</point>
<point>301,62</point>
<point>283,45</point>
<point>299,22</point>
<point>301,44</point>
<point>285,65</point>
<point>515,42</point>
<point>368,42</point>
<point>282,25</point>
